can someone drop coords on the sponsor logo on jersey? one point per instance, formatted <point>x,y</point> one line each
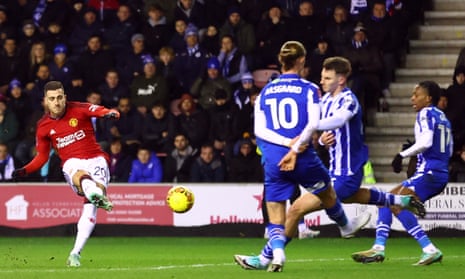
<point>69,139</point>
<point>73,122</point>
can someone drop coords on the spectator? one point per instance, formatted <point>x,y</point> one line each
<point>241,94</point>
<point>244,120</point>
<point>11,65</point>
<point>146,168</point>
<point>127,127</point>
<point>131,64</point>
<point>456,106</point>
<point>149,88</point>
<point>191,11</point>
<point>120,162</point>
<point>233,62</point>
<point>87,26</point>
<point>7,164</point>
<point>192,122</point>
<point>93,64</point>
<point>339,30</point>
<point>367,66</point>
<point>7,28</point>
<point>317,56</point>
<point>166,69</point>
<point>242,32</point>
<point>36,93</point>
<point>306,25</point>
<point>178,162</point>
<point>53,36</point>
<point>206,167</point>
<point>382,34</point>
<point>245,166</point>
<point>118,35</point>
<point>177,41</point>
<point>36,57</point>
<point>156,30</point>
<point>222,117</point>
<point>204,87</point>
<point>9,126</point>
<point>112,89</point>
<point>158,129</point>
<point>61,68</point>
<point>190,64</point>
<point>210,41</point>
<point>28,36</point>
<point>272,32</point>
<point>19,103</point>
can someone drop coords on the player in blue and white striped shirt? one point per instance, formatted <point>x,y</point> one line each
<point>284,108</point>
<point>433,148</point>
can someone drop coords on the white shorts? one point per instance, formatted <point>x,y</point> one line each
<point>96,167</point>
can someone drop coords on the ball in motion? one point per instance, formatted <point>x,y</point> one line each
<point>180,199</point>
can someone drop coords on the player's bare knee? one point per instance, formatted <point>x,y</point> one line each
<point>79,175</point>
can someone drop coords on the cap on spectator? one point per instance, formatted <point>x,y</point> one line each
<point>60,48</point>
<point>221,94</point>
<point>191,30</point>
<point>247,77</point>
<point>28,23</point>
<point>213,63</point>
<point>233,10</point>
<point>360,28</point>
<point>137,37</point>
<point>15,83</point>
<point>146,59</point>
<point>322,39</point>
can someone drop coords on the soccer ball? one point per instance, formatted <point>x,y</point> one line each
<point>180,199</point>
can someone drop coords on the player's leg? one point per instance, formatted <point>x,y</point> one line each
<point>425,186</point>
<point>85,227</point>
<point>345,187</point>
<point>383,227</point>
<point>303,231</point>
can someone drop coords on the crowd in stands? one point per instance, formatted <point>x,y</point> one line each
<point>181,74</point>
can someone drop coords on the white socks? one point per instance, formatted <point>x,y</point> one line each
<point>90,187</point>
<point>85,226</point>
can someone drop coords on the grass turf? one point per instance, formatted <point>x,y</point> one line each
<point>202,257</point>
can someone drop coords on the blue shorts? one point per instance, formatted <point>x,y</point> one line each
<point>427,185</point>
<point>280,185</point>
<point>346,186</point>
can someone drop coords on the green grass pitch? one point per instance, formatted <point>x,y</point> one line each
<point>203,257</point>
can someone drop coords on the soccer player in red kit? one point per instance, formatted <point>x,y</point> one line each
<point>67,127</point>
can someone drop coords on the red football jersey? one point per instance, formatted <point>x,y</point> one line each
<point>72,135</point>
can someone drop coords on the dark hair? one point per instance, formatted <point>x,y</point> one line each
<point>339,64</point>
<point>433,89</point>
<point>53,85</point>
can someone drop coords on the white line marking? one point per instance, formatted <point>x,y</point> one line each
<point>88,268</point>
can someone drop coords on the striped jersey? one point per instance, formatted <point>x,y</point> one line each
<point>436,157</point>
<point>349,152</point>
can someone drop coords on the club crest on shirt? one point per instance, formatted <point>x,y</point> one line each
<point>73,122</point>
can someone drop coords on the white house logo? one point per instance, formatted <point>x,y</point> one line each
<point>16,208</point>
